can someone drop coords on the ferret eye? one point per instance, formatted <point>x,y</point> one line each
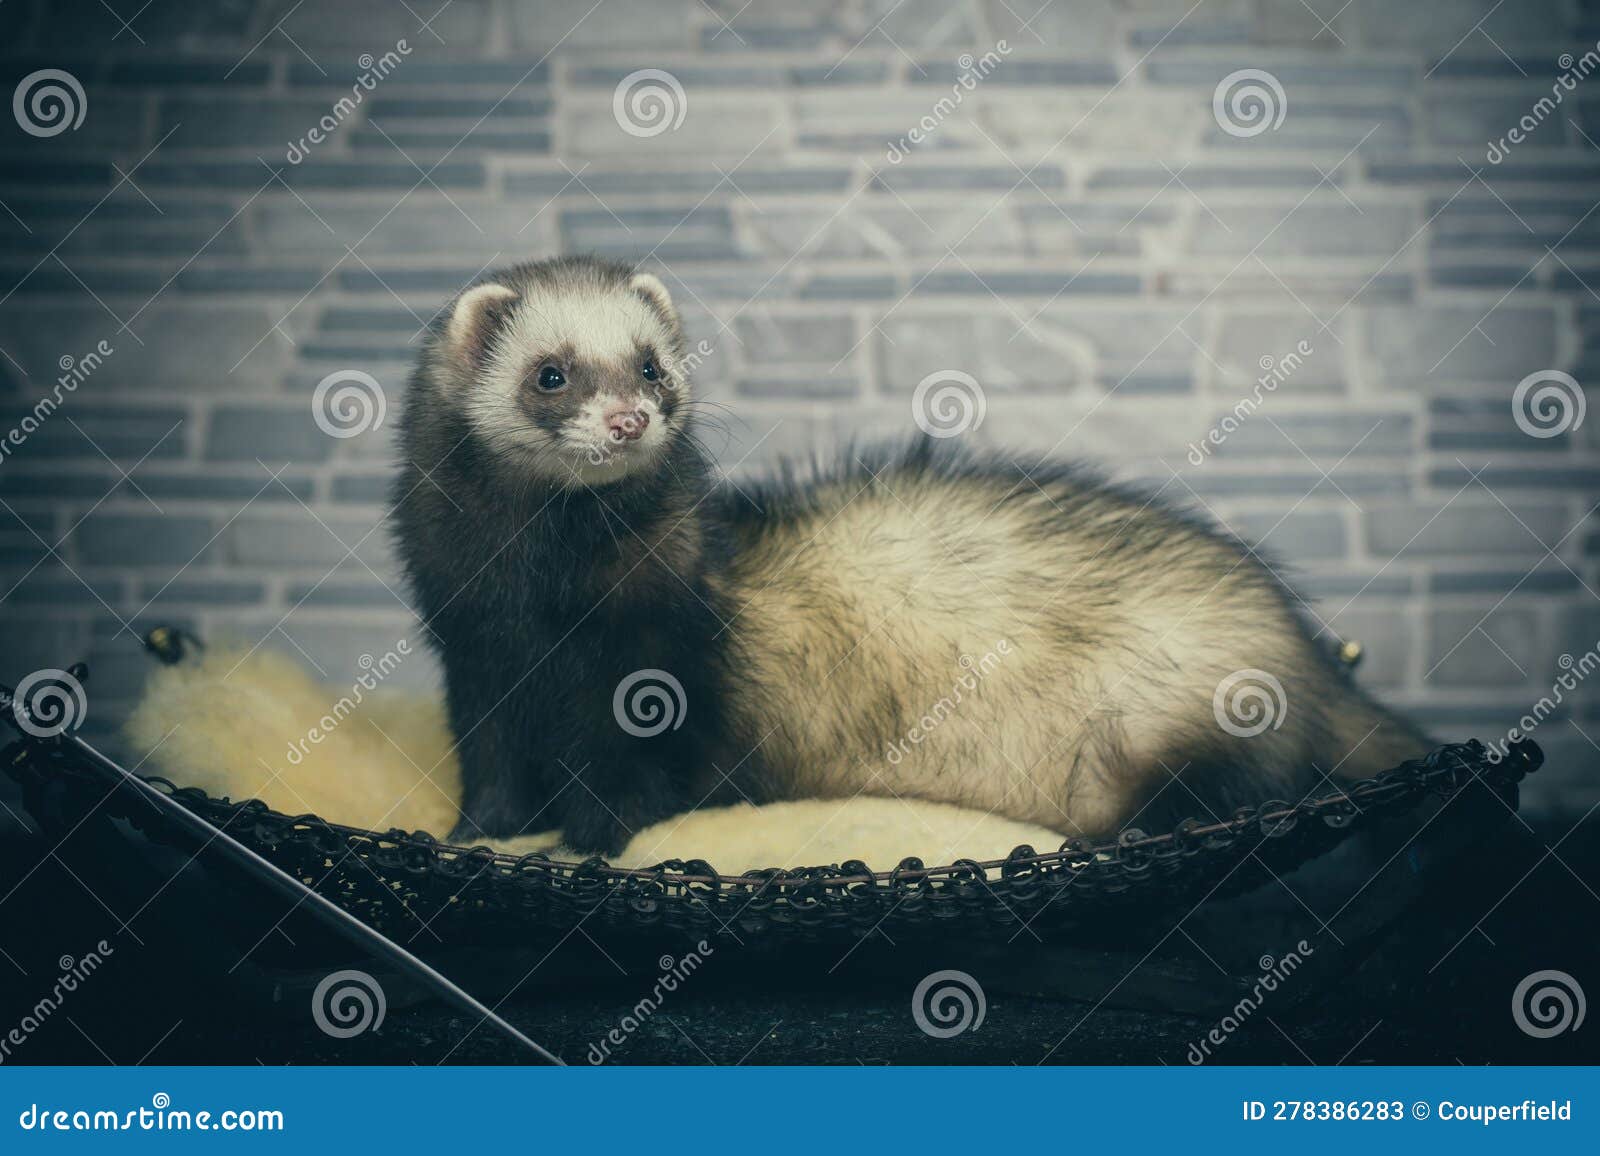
<point>551,378</point>
<point>651,373</point>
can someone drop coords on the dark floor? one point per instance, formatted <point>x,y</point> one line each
<point>1438,990</point>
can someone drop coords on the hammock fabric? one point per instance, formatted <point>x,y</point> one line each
<point>390,880</point>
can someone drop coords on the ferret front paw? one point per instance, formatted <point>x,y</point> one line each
<point>593,830</point>
<point>466,833</point>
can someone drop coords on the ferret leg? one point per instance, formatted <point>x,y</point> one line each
<point>620,782</point>
<point>499,788</point>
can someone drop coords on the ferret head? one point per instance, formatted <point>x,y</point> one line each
<point>571,370</point>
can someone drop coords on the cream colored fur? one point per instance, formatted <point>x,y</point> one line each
<point>965,639</point>
<point>226,721</point>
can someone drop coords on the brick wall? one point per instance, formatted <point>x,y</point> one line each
<point>1105,250</point>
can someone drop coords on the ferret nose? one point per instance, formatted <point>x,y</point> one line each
<point>626,424</point>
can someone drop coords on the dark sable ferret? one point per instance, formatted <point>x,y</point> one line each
<point>623,640</point>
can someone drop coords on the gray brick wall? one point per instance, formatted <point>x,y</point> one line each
<point>1084,234</point>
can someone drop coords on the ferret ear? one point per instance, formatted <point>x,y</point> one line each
<point>649,286</point>
<point>477,314</point>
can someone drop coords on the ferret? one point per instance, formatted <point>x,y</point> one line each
<point>625,636</point>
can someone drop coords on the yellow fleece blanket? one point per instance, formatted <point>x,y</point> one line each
<point>245,724</point>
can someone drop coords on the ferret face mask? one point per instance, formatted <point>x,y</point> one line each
<point>578,381</point>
